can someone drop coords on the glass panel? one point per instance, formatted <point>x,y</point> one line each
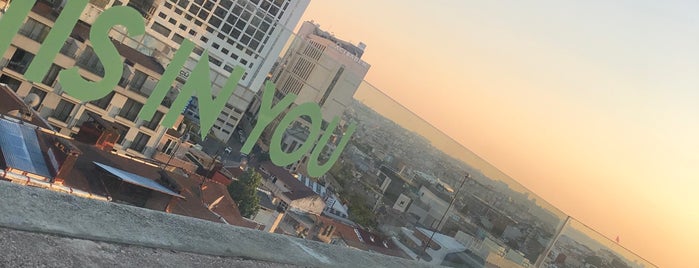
<point>580,246</point>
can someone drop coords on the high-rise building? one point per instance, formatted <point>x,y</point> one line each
<point>242,33</point>
<point>320,68</point>
<point>145,57</point>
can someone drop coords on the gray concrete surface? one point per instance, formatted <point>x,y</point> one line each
<point>42,211</point>
<point>25,249</point>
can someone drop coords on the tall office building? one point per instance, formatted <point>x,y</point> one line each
<point>258,31</point>
<point>242,33</point>
<point>321,68</point>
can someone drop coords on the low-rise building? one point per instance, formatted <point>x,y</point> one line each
<point>292,193</point>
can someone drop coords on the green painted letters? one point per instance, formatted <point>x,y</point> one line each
<point>199,85</point>
<point>163,86</point>
<point>53,42</point>
<point>313,167</point>
<point>83,90</point>
<point>266,114</point>
<point>279,157</point>
<point>11,21</point>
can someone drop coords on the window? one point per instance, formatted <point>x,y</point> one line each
<point>226,28</point>
<point>162,15</point>
<point>215,21</point>
<point>10,82</point>
<point>153,123</point>
<point>203,15</point>
<point>139,143</point>
<point>123,130</point>
<point>220,12</point>
<point>63,110</point>
<point>20,61</point>
<point>90,62</point>
<point>50,77</point>
<point>183,3</point>
<point>177,38</point>
<point>226,3</point>
<point>100,3</point>
<point>130,110</point>
<point>159,28</point>
<point>103,102</point>
<point>40,93</point>
<point>34,30</point>
<point>172,21</point>
<point>137,81</point>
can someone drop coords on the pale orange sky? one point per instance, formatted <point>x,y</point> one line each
<point>592,105</point>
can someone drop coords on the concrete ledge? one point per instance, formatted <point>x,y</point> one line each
<point>37,210</point>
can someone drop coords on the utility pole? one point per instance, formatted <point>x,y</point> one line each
<point>424,249</point>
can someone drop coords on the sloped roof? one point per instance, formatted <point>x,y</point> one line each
<point>137,180</point>
<point>10,101</point>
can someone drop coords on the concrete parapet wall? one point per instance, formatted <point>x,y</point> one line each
<point>37,210</point>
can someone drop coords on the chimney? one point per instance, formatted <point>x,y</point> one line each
<point>63,156</point>
<point>98,132</point>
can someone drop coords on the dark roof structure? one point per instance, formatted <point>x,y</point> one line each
<point>136,56</point>
<point>137,180</point>
<point>297,190</point>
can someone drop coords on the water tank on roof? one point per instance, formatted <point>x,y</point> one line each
<point>32,100</point>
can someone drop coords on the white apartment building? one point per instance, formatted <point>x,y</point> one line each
<point>319,68</point>
<point>144,60</point>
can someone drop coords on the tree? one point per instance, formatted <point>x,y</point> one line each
<point>360,212</point>
<point>244,192</point>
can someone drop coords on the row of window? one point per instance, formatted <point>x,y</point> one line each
<point>240,24</point>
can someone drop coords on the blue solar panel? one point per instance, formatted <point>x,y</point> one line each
<point>137,180</point>
<point>20,147</point>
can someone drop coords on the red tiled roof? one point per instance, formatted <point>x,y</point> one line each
<point>84,177</point>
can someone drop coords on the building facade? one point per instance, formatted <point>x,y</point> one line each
<point>320,68</point>
<point>144,59</point>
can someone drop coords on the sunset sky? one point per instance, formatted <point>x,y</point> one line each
<point>593,105</point>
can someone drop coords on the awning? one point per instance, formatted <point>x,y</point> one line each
<point>137,180</point>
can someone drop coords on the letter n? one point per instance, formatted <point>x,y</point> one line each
<point>199,85</point>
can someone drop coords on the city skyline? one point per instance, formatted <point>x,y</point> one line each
<point>595,129</point>
<point>544,89</point>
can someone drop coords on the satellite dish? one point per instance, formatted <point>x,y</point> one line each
<point>32,100</point>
